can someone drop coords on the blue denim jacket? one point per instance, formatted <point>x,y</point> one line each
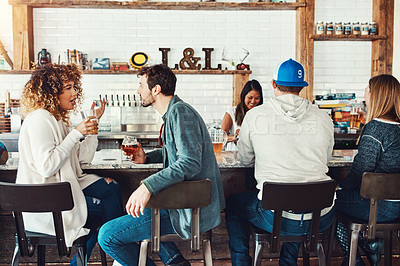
<point>187,154</point>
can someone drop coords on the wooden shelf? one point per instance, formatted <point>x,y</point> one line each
<point>15,72</point>
<point>134,72</point>
<point>324,37</point>
<point>156,5</point>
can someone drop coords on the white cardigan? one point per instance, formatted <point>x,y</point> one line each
<point>50,153</point>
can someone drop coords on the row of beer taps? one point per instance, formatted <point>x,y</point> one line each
<point>122,100</point>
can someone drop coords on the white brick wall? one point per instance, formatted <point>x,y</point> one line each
<point>342,66</point>
<point>268,35</point>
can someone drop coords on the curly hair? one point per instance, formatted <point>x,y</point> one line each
<point>44,87</point>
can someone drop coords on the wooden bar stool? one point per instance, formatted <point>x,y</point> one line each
<point>298,197</point>
<point>184,195</point>
<point>374,186</point>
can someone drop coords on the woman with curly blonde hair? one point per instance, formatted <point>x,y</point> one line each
<point>51,152</point>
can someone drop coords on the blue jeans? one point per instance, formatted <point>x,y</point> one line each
<point>351,203</point>
<point>104,203</point>
<point>119,238</point>
<point>245,209</point>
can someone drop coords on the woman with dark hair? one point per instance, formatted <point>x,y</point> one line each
<point>378,151</point>
<point>50,152</point>
<point>250,97</point>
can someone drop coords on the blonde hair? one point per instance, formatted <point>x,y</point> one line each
<point>384,99</point>
<point>44,87</point>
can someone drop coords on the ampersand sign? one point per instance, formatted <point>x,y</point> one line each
<point>189,60</point>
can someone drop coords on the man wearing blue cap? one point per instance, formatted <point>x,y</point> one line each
<point>288,140</point>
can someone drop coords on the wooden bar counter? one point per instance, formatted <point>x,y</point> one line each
<point>112,163</point>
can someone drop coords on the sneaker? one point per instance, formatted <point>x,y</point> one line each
<point>373,251</point>
<point>116,263</point>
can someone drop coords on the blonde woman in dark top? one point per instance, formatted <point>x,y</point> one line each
<point>378,151</point>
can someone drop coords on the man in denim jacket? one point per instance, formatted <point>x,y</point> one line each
<point>187,154</point>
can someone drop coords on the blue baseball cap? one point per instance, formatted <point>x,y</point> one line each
<point>290,73</point>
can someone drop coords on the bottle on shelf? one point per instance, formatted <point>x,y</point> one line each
<point>347,28</point>
<point>365,28</point>
<point>356,28</point>
<point>338,28</point>
<point>329,28</point>
<point>373,29</point>
<point>320,28</point>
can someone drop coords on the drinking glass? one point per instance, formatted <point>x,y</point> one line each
<point>218,138</point>
<point>90,113</point>
<point>129,146</point>
<point>354,118</point>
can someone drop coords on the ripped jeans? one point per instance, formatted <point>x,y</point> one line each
<point>104,203</point>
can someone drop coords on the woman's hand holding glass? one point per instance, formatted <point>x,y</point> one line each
<point>89,126</point>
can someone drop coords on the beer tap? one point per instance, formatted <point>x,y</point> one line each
<point>7,104</point>
<point>129,100</point>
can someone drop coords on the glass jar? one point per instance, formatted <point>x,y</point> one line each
<point>347,28</point>
<point>364,28</point>
<point>320,28</point>
<point>338,28</point>
<point>356,28</point>
<point>373,29</point>
<point>329,28</point>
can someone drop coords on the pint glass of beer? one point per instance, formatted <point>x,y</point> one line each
<point>90,113</point>
<point>354,118</point>
<point>218,138</point>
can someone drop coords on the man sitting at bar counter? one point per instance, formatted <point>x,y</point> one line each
<point>187,154</point>
<point>287,140</point>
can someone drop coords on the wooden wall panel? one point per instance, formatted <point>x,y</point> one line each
<point>239,80</point>
<point>382,50</point>
<point>23,36</point>
<point>305,45</point>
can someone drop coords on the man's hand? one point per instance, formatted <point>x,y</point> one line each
<point>139,156</point>
<point>137,201</point>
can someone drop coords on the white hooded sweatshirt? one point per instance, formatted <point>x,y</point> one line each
<point>288,140</point>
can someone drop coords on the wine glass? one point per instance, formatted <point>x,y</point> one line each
<point>129,146</point>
